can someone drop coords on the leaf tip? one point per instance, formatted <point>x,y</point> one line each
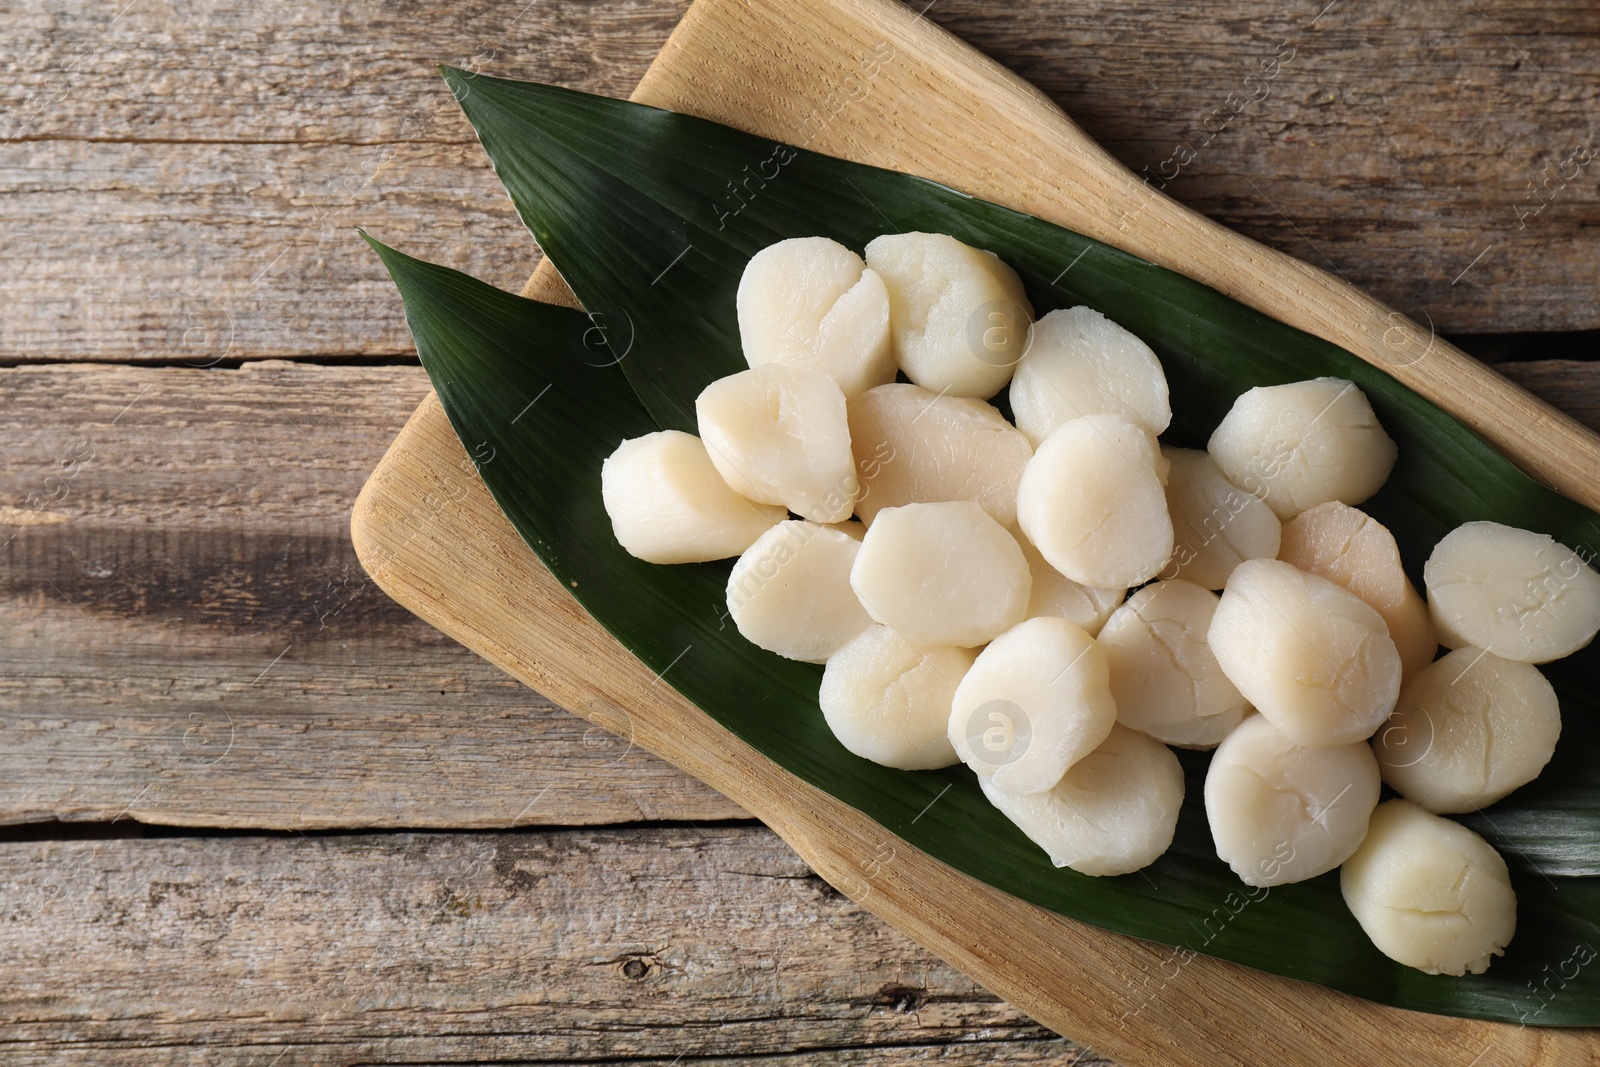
<point>385,253</point>
<point>456,80</point>
<point>401,267</point>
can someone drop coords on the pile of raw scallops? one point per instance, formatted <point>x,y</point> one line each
<point>1038,599</point>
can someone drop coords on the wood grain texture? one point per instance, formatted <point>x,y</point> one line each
<point>187,638</point>
<point>123,230</point>
<point>200,556</point>
<point>960,118</point>
<point>242,143</point>
<point>251,143</point>
<point>538,946</point>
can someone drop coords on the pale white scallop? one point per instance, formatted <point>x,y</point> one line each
<point>779,435</point>
<point>1055,594</point>
<point>1280,812</point>
<point>1093,501</point>
<point>1521,595</point>
<point>913,446</point>
<point>1303,444</point>
<point>1310,655</point>
<point>1430,893</point>
<point>1350,548</point>
<point>812,302</point>
<point>1078,362</point>
<point>1215,525</point>
<point>1037,700</point>
<point>790,591</point>
<point>957,314</point>
<point>668,504</point>
<point>888,701</point>
<point>1469,729</point>
<point>1164,678</point>
<point>1113,812</point>
<point>943,574</point>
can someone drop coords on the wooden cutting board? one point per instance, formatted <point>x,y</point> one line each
<point>871,80</point>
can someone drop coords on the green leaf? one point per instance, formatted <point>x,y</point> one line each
<point>653,239</point>
<point>540,408</point>
<point>632,204</point>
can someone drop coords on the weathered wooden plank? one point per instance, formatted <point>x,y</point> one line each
<point>202,253</point>
<point>313,120</point>
<point>168,532</point>
<point>187,638</point>
<point>548,946</point>
<point>358,72</point>
<point>254,140</point>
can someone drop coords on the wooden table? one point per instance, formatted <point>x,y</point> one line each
<point>257,813</point>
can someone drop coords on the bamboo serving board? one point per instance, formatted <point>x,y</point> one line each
<point>870,80</point>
